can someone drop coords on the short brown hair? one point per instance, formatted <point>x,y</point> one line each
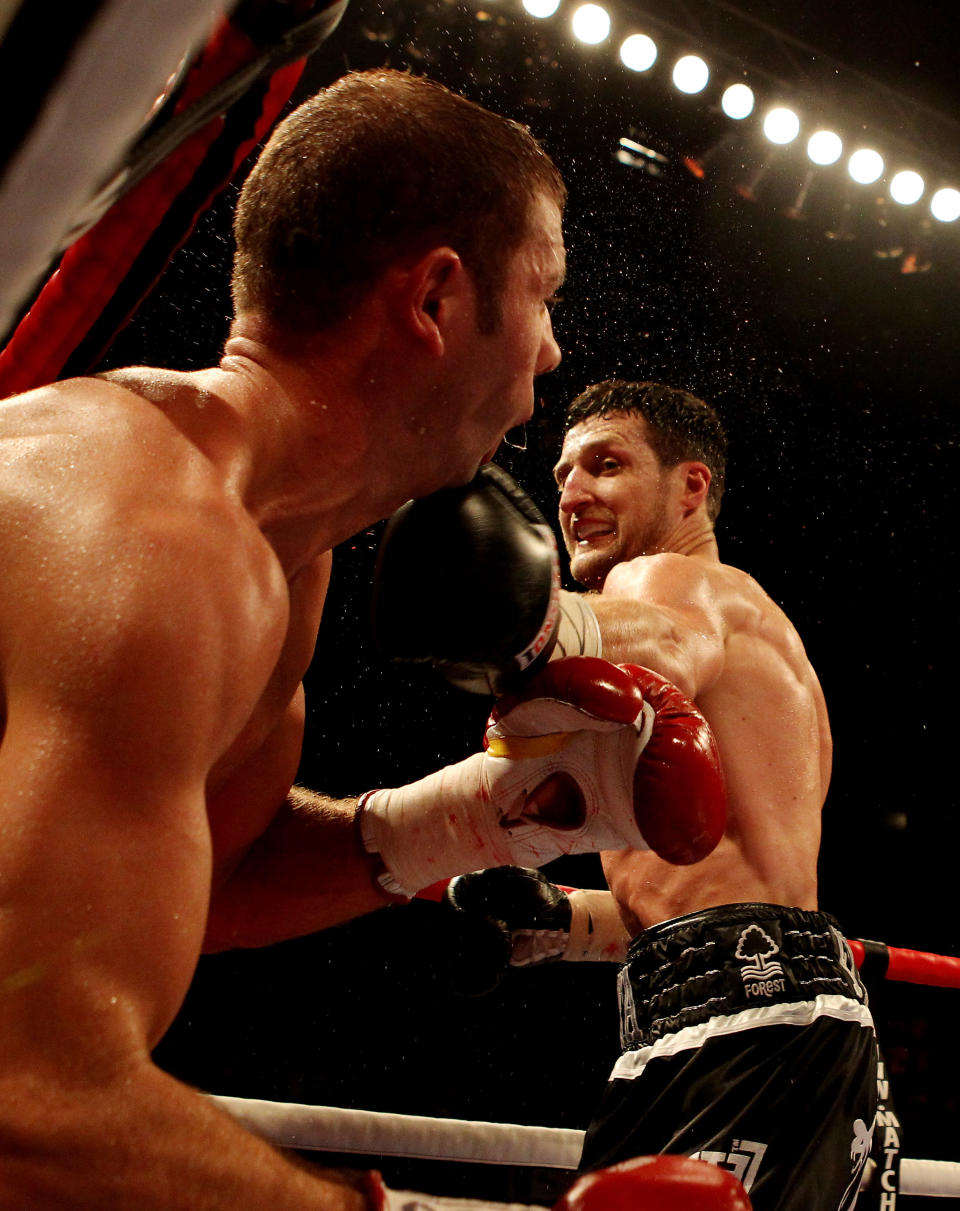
<point>680,426</point>
<point>377,166</point>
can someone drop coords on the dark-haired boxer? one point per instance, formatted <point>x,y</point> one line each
<point>747,1039</point>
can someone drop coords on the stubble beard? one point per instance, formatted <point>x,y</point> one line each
<point>591,567</point>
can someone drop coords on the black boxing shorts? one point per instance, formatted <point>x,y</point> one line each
<point>747,1043</point>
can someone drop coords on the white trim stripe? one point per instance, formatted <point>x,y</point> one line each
<point>799,1013</point>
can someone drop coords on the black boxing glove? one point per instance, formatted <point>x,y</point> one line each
<point>531,913</point>
<point>543,922</point>
<point>468,580</point>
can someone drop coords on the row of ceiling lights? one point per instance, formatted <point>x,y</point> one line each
<point>781,125</point>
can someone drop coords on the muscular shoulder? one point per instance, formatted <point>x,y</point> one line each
<point>757,628</point>
<point>683,581</point>
<point>87,436</point>
<point>90,466</point>
<point>671,581</point>
<point>754,612</point>
<point>128,565</point>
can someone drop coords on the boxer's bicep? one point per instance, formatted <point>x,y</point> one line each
<point>114,698</point>
<point>105,871</point>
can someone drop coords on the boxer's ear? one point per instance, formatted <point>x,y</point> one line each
<point>695,484</point>
<point>429,295</point>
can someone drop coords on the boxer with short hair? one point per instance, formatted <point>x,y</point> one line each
<point>167,544</point>
<point>747,1039</point>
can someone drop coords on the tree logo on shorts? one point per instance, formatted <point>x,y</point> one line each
<point>761,974</point>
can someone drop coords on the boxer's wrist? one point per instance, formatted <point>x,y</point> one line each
<point>383,881</point>
<point>597,933</point>
<point>421,832</point>
<point>578,631</point>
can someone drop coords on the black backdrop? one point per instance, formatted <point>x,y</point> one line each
<point>836,375</point>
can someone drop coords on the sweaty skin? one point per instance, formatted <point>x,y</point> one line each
<point>167,547</point>
<point>639,535</point>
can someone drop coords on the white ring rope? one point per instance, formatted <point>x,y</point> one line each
<point>374,1133</point>
<point>371,1132</point>
<point>936,1179</point>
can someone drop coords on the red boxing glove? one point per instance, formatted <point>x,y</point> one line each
<point>591,757</point>
<point>678,785</point>
<point>656,1183</point>
<point>679,798</point>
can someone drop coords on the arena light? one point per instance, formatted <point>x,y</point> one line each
<point>824,147</point>
<point>638,52</point>
<point>591,24</point>
<point>737,101</point>
<point>781,125</point>
<point>690,74</point>
<point>865,166</point>
<point>541,8</point>
<point>907,188</point>
<point>945,205</point>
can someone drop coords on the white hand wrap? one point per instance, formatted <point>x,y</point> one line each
<point>578,632</point>
<point>475,814</point>
<point>597,931</point>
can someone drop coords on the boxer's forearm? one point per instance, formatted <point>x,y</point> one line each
<point>306,873</point>
<point>141,1139</point>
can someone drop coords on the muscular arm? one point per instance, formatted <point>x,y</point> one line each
<point>662,612</point>
<point>112,724</point>
<point>307,872</point>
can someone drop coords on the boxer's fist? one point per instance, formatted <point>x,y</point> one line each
<point>535,921</point>
<point>468,580</point>
<point>566,770</point>
<point>506,916</point>
<point>678,786</point>
<point>656,1183</point>
<point>522,900</point>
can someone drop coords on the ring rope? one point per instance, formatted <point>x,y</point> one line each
<point>912,966</point>
<point>371,1132</point>
<point>375,1133</point>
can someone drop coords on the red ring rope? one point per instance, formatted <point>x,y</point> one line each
<point>911,966</point>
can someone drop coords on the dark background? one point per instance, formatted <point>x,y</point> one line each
<point>835,372</point>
